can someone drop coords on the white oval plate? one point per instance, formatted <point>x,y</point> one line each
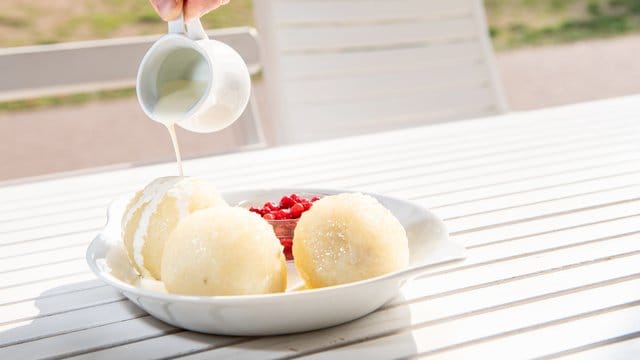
<point>292,311</point>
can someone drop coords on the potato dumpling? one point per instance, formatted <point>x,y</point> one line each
<point>348,237</point>
<point>223,251</point>
<point>155,211</point>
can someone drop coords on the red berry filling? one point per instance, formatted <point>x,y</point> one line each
<point>290,207</point>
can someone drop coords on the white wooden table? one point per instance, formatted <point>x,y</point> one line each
<point>547,203</point>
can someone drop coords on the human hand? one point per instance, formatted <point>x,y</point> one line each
<point>171,9</point>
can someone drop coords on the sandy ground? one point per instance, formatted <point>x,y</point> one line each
<point>583,71</point>
<point>116,132</point>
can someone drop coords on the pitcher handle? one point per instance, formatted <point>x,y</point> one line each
<point>194,29</point>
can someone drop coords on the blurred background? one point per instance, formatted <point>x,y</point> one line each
<point>548,52</point>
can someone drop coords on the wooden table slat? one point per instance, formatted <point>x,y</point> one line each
<point>613,348</point>
<point>57,304</point>
<point>44,245</point>
<point>49,287</point>
<point>111,334</point>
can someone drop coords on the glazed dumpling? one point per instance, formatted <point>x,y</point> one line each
<point>155,211</point>
<point>224,251</point>
<point>348,237</point>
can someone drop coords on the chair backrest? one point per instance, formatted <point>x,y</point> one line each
<point>336,67</point>
<point>60,69</point>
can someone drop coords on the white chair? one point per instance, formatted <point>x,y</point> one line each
<point>341,67</point>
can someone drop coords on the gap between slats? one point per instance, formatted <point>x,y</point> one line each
<point>387,85</point>
<point>32,289</point>
<point>405,177</point>
<point>300,67</point>
<point>372,115</point>
<point>49,243</point>
<point>612,348</point>
<point>305,13</point>
<point>466,184</point>
<point>466,228</point>
<point>541,199</point>
<point>373,36</point>
<point>632,305</point>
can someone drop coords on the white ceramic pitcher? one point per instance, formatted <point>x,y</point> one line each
<point>200,84</point>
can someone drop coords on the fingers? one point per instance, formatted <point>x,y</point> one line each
<point>196,8</point>
<point>168,9</point>
<point>171,9</point>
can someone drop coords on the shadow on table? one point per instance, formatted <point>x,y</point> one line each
<point>376,336</point>
<point>65,312</point>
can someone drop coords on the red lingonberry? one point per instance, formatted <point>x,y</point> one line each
<point>286,202</point>
<point>269,216</point>
<point>296,210</point>
<point>289,207</point>
<point>280,214</point>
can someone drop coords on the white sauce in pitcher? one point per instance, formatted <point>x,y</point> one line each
<point>176,97</point>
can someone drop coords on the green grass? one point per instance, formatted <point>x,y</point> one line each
<point>13,21</point>
<point>72,20</point>
<point>73,99</point>
<point>518,23</point>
